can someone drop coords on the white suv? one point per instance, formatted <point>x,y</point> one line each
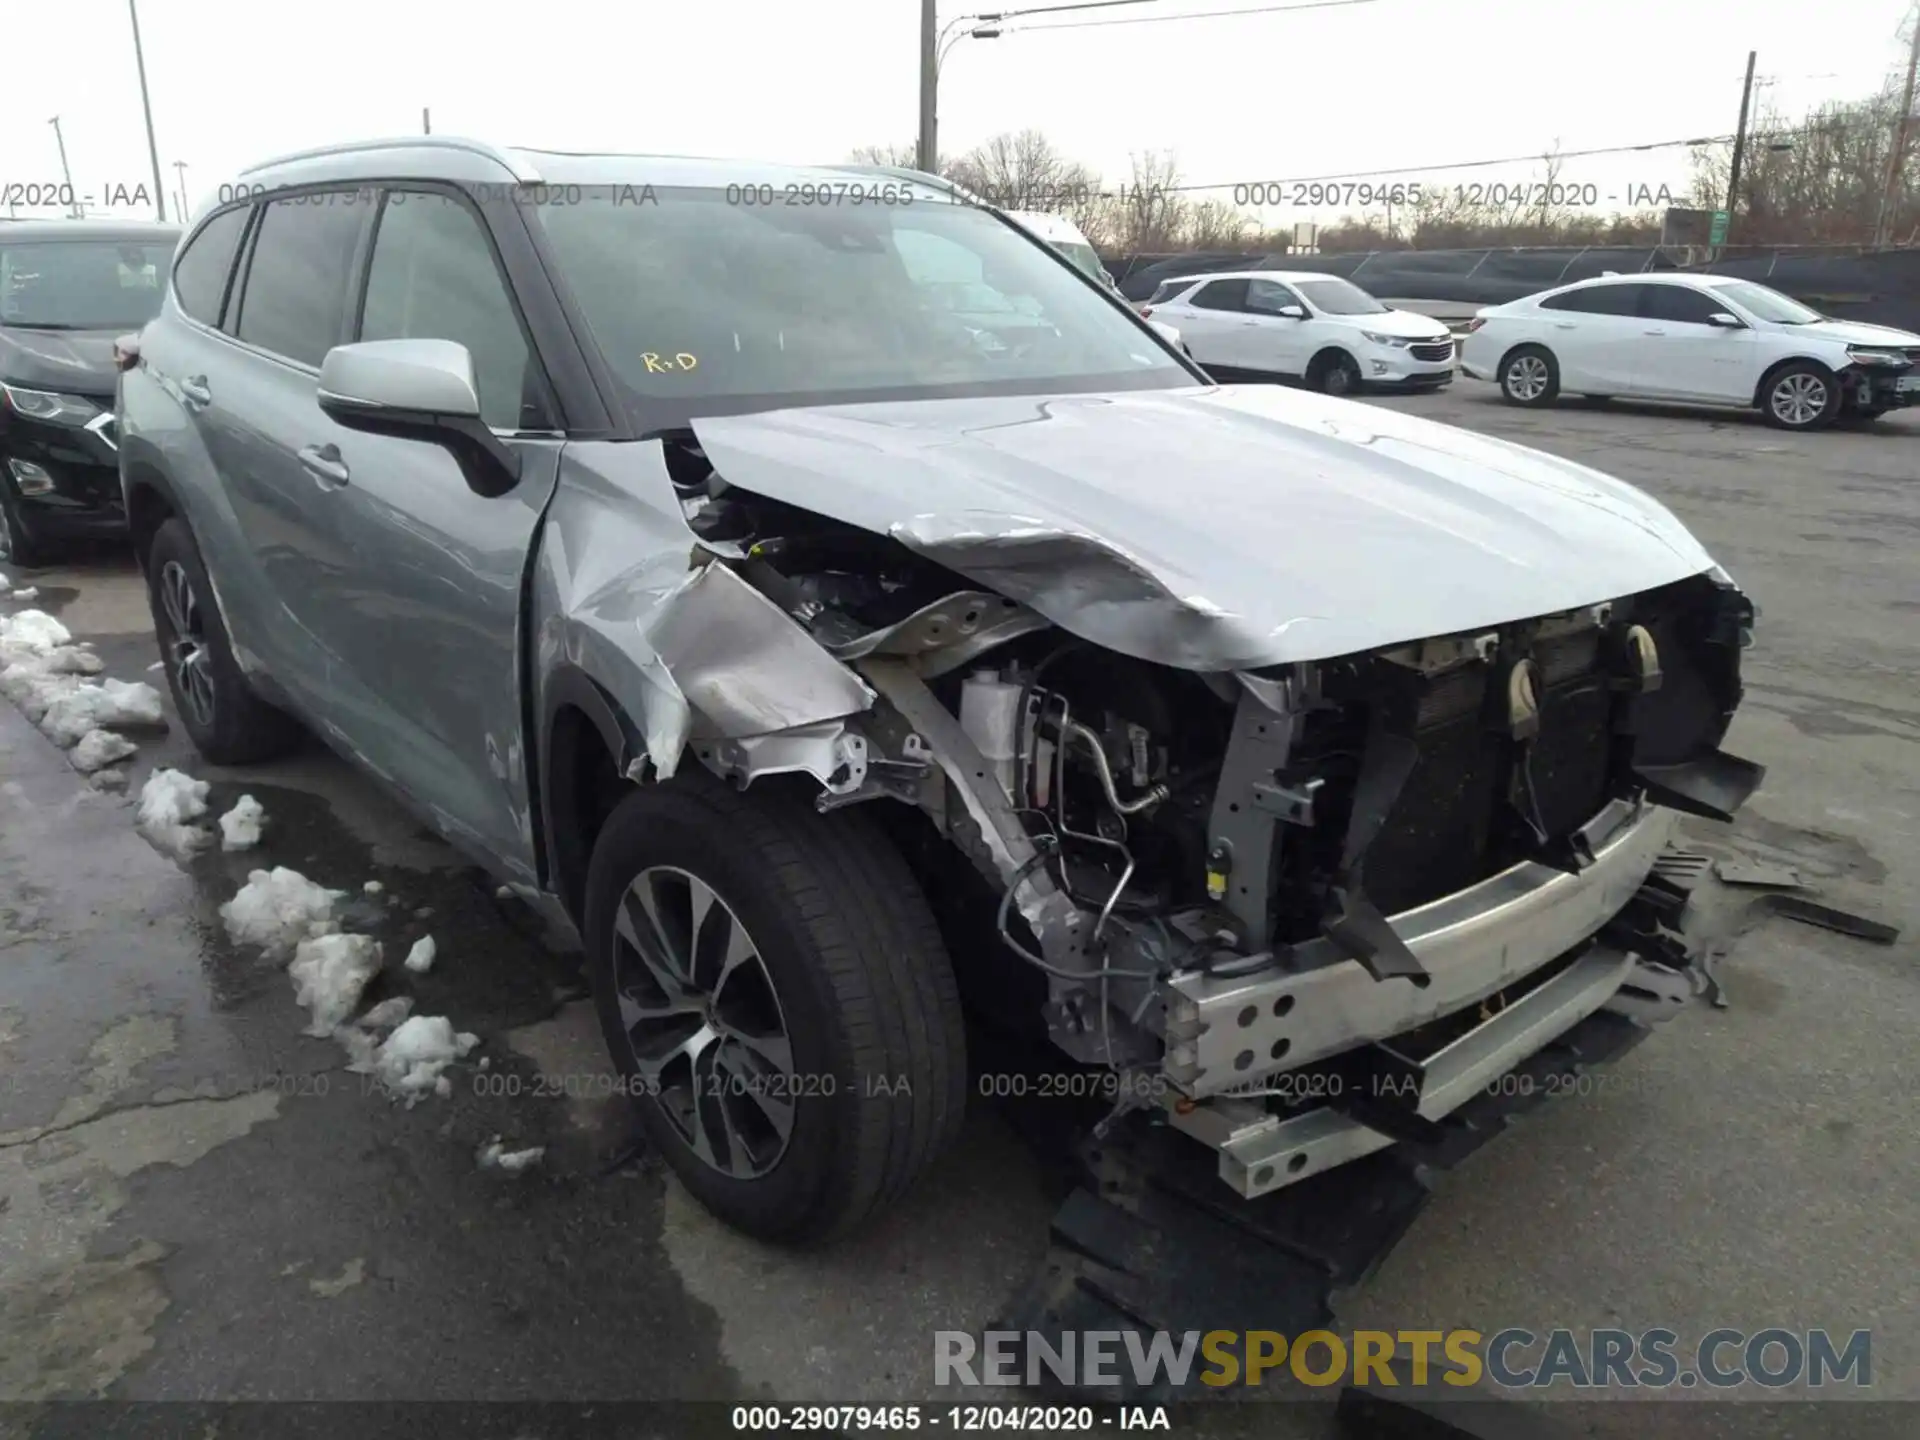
<point>1263,324</point>
<point>1695,338</point>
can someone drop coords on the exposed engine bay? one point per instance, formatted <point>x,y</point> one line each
<point>1198,868</point>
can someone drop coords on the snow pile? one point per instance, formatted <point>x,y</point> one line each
<point>278,908</point>
<point>5,584</point>
<point>32,592</point>
<point>109,779</point>
<point>240,826</point>
<point>329,972</point>
<point>494,1156</point>
<point>33,631</point>
<point>169,802</point>
<point>373,887</point>
<point>408,1063</point>
<point>420,958</point>
<point>103,706</point>
<point>98,749</point>
<point>39,662</point>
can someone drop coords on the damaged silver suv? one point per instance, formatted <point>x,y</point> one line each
<point>850,617</point>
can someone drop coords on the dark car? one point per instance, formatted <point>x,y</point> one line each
<point>68,288</point>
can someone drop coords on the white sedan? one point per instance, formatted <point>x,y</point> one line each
<point>1703,339</point>
<point>1296,325</point>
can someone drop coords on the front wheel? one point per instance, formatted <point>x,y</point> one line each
<point>17,545</point>
<point>1335,374</point>
<point>1800,396</point>
<point>1529,376</point>
<point>776,996</point>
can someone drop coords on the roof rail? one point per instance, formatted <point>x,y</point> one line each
<point>516,168</point>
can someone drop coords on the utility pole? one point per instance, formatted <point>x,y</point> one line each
<point>1739,142</point>
<point>927,156</point>
<point>180,206</point>
<point>153,150</point>
<point>1896,162</point>
<point>65,171</point>
<point>426,121</point>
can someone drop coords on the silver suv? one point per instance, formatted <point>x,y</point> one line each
<point>838,607</point>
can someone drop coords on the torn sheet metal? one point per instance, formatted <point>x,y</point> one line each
<point>684,648</point>
<point>948,633</point>
<point>1223,529</point>
<point>743,663</point>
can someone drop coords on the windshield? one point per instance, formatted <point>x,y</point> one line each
<point>1766,304</point>
<point>1339,297</point>
<point>82,284</point>
<point>706,307</point>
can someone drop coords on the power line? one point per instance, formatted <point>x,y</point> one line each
<point>1190,15</point>
<point>1396,170</point>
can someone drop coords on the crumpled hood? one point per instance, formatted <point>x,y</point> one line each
<point>74,362</point>
<point>1223,528</point>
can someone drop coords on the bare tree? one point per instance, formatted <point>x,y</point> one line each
<point>1815,180</point>
<point>1023,171</point>
<point>1217,225</point>
<point>1150,213</point>
<point>905,155</point>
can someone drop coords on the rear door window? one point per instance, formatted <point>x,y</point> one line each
<point>1597,300</point>
<point>299,276</point>
<point>1221,295</point>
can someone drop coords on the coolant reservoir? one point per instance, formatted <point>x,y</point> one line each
<point>989,713</point>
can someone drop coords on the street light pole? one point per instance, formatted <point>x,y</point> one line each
<point>65,172</point>
<point>180,169</point>
<point>153,150</point>
<point>1897,160</point>
<point>927,152</point>
<point>1739,145</point>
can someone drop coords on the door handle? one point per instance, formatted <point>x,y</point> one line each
<point>323,462</point>
<point>1653,332</point>
<point>1563,324</point>
<point>194,391</point>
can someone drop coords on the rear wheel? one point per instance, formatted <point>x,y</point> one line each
<point>1800,396</point>
<point>1529,376</point>
<point>227,722</point>
<point>775,994</point>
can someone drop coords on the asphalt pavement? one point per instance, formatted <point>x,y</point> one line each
<point>199,1202</point>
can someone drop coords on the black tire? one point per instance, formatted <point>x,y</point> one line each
<point>1530,376</point>
<point>862,985</point>
<point>227,722</point>
<point>1334,372</point>
<point>1788,396</point>
<point>18,545</point>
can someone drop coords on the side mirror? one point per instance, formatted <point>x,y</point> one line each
<point>1292,312</point>
<point>418,390</point>
<point>1726,321</point>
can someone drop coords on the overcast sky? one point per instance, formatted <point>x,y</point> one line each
<point>1381,86</point>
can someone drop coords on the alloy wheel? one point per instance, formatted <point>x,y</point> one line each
<point>1340,379</point>
<point>1527,378</point>
<point>187,654</point>
<point>703,1022</point>
<point>1799,399</point>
